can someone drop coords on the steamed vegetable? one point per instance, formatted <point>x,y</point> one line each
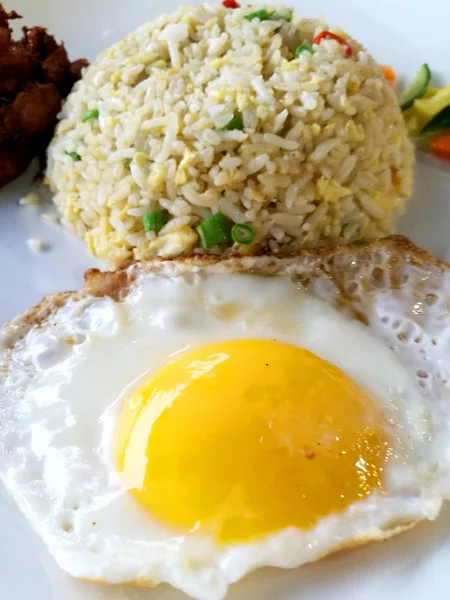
<point>426,108</point>
<point>428,113</point>
<point>440,122</point>
<point>389,75</point>
<point>417,88</point>
<point>440,145</point>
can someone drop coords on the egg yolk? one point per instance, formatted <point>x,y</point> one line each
<point>246,437</point>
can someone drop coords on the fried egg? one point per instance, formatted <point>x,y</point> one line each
<point>188,422</point>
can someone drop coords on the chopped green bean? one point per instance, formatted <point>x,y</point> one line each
<point>262,15</point>
<point>159,64</point>
<point>214,230</point>
<point>284,14</point>
<point>154,220</point>
<point>235,123</point>
<point>242,234</point>
<point>90,114</point>
<point>73,155</point>
<point>274,15</point>
<point>303,48</point>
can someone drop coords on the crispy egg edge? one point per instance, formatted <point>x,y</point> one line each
<point>305,267</point>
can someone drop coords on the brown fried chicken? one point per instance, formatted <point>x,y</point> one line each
<point>35,76</point>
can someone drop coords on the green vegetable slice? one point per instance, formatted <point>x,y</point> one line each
<point>235,123</point>
<point>90,114</point>
<point>242,234</point>
<point>154,220</point>
<point>303,48</point>
<point>438,123</point>
<point>214,230</point>
<point>73,155</point>
<point>274,15</point>
<point>417,88</point>
<point>284,14</point>
<point>262,15</point>
<point>159,64</point>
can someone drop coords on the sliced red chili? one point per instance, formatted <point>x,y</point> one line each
<point>327,35</point>
<point>231,4</point>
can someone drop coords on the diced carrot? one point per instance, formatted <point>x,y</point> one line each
<point>396,179</point>
<point>389,75</point>
<point>440,145</point>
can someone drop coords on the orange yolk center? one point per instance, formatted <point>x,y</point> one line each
<point>246,437</point>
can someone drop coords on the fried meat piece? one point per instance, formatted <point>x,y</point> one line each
<point>35,76</point>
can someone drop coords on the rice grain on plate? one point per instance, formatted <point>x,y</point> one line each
<point>205,110</point>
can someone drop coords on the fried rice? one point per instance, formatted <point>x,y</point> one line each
<point>209,110</point>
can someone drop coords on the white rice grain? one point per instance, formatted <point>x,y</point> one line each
<point>280,142</point>
<point>257,163</point>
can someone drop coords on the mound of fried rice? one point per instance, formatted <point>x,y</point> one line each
<point>322,155</point>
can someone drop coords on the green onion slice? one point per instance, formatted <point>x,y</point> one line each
<point>214,230</point>
<point>235,123</point>
<point>73,155</point>
<point>303,48</point>
<point>274,15</point>
<point>159,64</point>
<point>90,114</point>
<point>242,234</point>
<point>262,15</point>
<point>154,220</point>
<point>284,14</point>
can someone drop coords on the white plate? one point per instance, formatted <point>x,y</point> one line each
<point>411,567</point>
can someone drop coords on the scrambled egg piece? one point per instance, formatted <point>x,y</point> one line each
<point>354,132</point>
<point>219,62</point>
<point>141,158</point>
<point>107,246</point>
<point>219,94</point>
<point>331,190</point>
<point>187,160</point>
<point>173,243</point>
<point>387,203</point>
<point>157,177</point>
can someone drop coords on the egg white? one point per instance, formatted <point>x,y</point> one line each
<point>65,385</point>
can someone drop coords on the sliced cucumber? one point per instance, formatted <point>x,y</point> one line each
<point>438,123</point>
<point>417,88</point>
